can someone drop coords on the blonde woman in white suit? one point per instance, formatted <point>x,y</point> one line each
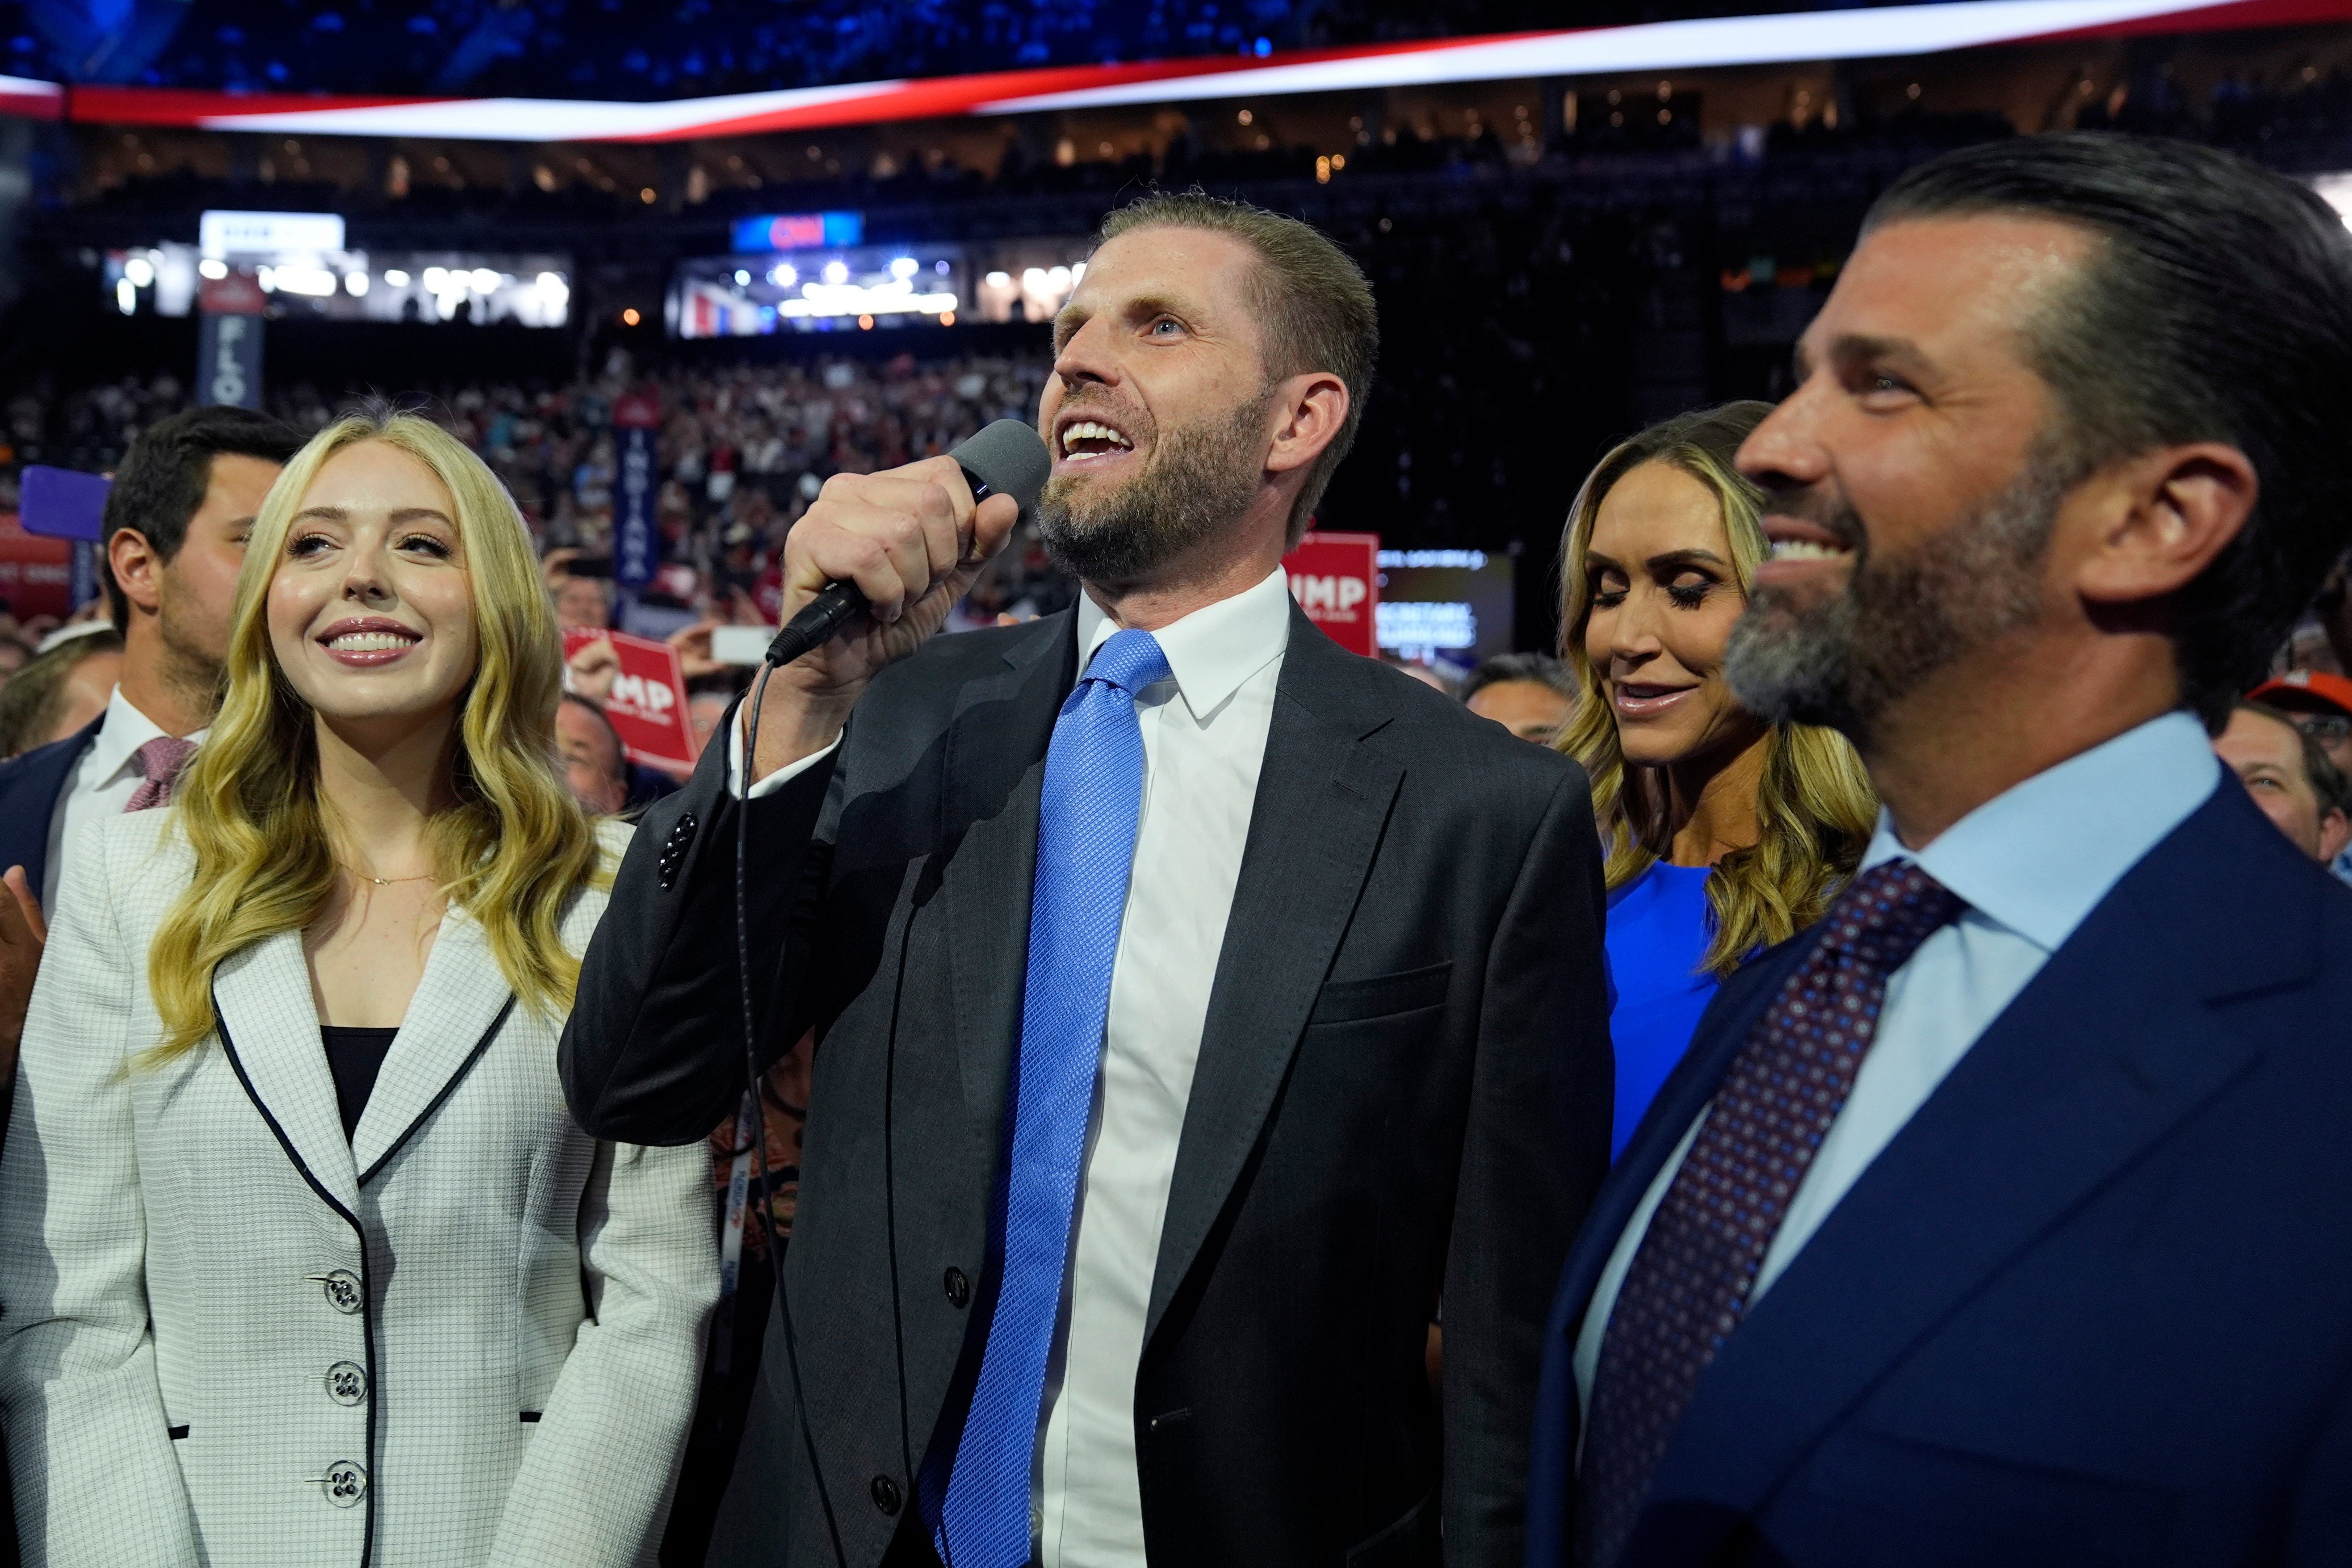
<point>301,1258</point>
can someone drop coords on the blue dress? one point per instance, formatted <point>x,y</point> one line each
<point>1658,931</point>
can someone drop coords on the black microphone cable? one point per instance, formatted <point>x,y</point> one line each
<point>759,1103</point>
<point>1017,464</point>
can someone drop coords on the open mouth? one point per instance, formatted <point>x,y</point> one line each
<point>1635,699</point>
<point>1083,440</point>
<point>369,642</point>
<point>1792,540</point>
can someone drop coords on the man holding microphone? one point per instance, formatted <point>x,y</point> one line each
<point>1197,1003</point>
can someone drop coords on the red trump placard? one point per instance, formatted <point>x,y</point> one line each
<point>643,692</point>
<point>1335,578</point>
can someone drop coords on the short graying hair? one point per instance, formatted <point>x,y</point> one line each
<point>1314,306</point>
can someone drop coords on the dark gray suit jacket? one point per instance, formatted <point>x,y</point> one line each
<point>1403,1089</point>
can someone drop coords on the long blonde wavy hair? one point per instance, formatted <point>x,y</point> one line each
<point>1814,807</point>
<point>511,850</point>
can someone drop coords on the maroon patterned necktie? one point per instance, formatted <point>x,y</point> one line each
<point>159,763</point>
<point>1689,1285</point>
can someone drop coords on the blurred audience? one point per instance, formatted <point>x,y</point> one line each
<point>596,767</point>
<point>55,697</point>
<point>1725,834</point>
<point>2290,776</point>
<point>1529,694</point>
<point>2320,703</point>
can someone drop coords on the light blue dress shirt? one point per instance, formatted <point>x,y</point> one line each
<point>2031,863</point>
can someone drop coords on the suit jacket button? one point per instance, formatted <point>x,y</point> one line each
<point>346,1382</point>
<point>886,1495</point>
<point>345,1483</point>
<point>344,1291</point>
<point>673,854</point>
<point>958,1290</point>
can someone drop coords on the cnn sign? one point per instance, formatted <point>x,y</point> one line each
<point>1335,578</point>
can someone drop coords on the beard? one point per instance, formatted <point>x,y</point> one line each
<point>1198,480</point>
<point>189,662</point>
<point>1844,662</point>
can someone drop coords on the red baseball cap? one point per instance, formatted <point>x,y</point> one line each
<point>2333,689</point>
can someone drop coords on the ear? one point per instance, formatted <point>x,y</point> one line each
<point>1311,409</point>
<point>137,568</point>
<point>2335,833</point>
<point>2163,515</point>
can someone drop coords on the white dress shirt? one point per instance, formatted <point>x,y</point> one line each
<point>101,785</point>
<point>2031,863</point>
<point>1204,733</point>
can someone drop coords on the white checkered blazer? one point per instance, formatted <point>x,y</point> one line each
<point>228,1336</point>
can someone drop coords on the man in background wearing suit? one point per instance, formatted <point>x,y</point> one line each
<point>176,519</point>
<point>1196,1001</point>
<point>2000,1218</point>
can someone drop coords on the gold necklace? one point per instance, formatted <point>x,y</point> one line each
<point>388,881</point>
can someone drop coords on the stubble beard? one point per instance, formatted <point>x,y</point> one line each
<point>198,674</point>
<point>1844,663</point>
<point>1198,482</point>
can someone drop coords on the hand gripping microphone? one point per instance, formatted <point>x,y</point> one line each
<point>1006,458</point>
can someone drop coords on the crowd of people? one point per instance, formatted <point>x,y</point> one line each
<point>1843,1064</point>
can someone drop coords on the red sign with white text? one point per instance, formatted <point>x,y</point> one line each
<point>1335,578</point>
<point>644,696</point>
<point>36,573</point>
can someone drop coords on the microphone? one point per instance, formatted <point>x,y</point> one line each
<point>1006,458</point>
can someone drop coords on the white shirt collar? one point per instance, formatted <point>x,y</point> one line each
<point>1216,647</point>
<point>125,730</point>
<point>2039,856</point>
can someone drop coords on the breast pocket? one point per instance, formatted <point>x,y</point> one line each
<point>1382,995</point>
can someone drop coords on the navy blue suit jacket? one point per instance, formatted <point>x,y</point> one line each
<point>2092,1305</point>
<point>29,787</point>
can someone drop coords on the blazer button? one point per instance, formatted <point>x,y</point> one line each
<point>958,1290</point>
<point>673,853</point>
<point>886,1495</point>
<point>344,1291</point>
<point>344,1481</point>
<point>346,1382</point>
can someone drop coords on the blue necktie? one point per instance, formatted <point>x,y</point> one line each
<point>1086,848</point>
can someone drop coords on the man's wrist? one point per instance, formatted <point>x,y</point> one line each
<point>795,725</point>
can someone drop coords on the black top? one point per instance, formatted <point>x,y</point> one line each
<point>355,1057</point>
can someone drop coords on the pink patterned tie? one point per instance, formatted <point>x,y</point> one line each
<point>159,763</point>
<point>1688,1288</point>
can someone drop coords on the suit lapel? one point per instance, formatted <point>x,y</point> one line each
<point>460,999</point>
<point>270,1031</point>
<point>1322,800</point>
<point>2123,1034</point>
<point>1677,1104</point>
<point>995,762</point>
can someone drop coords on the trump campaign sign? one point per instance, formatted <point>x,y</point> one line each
<point>1335,578</point>
<point>646,699</point>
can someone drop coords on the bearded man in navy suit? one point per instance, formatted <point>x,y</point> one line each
<point>2001,1217</point>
